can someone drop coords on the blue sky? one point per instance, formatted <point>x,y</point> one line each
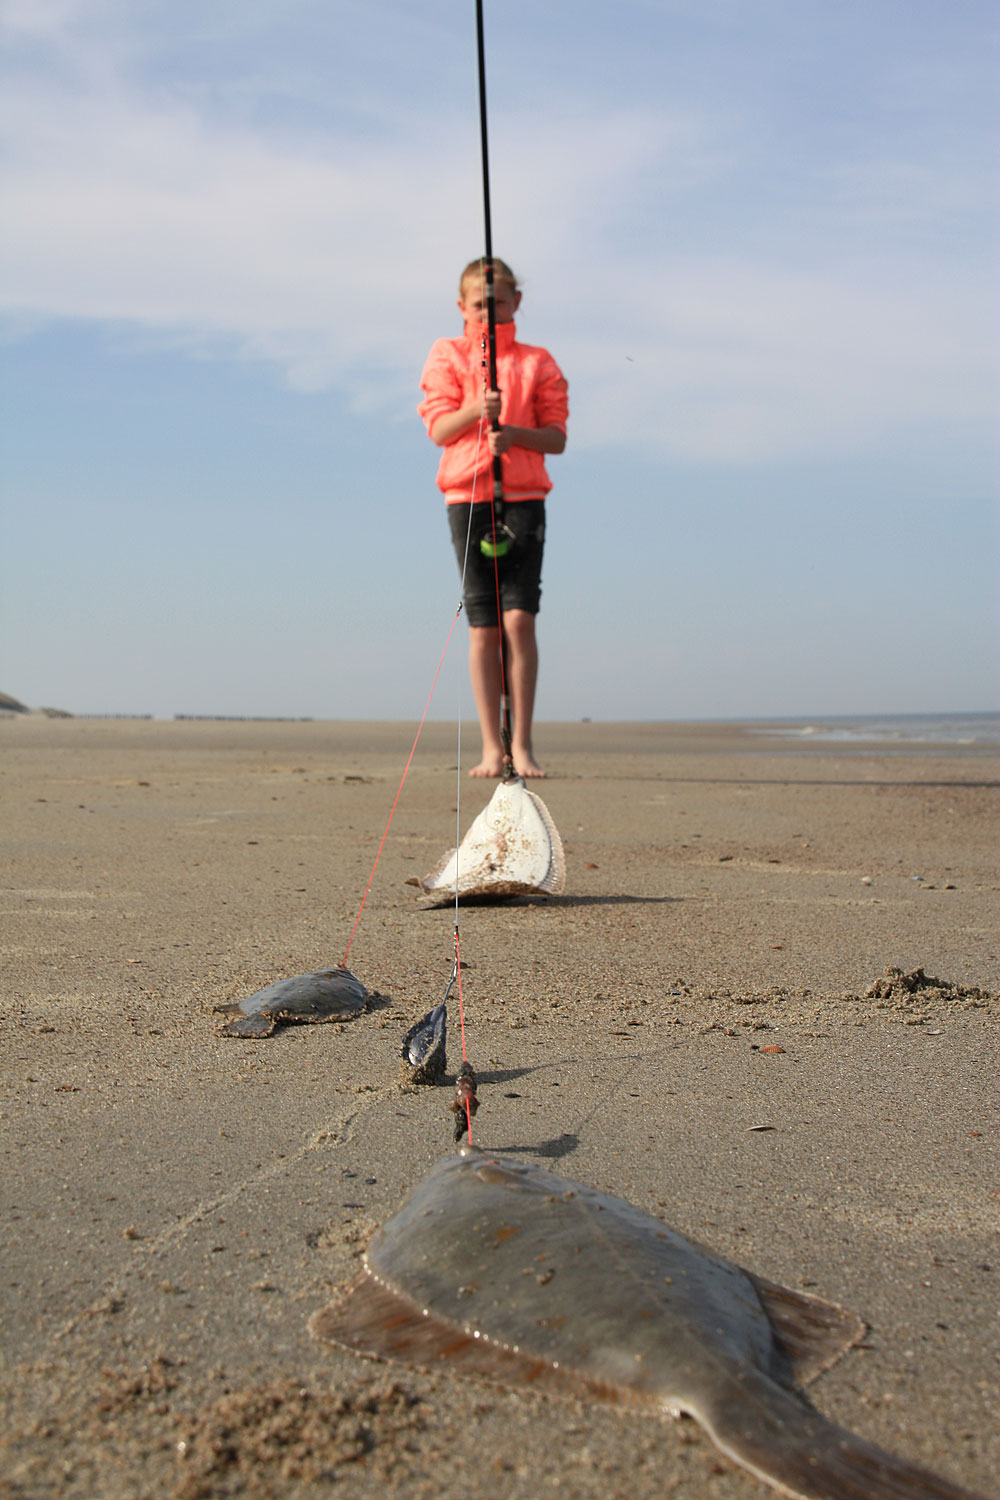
<point>759,235</point>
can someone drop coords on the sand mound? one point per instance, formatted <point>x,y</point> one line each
<point>249,1439</point>
<point>896,986</point>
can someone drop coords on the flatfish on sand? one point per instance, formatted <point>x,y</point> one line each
<point>328,995</point>
<point>513,1274</point>
<point>512,848</point>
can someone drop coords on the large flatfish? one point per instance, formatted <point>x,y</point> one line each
<point>512,848</point>
<point>525,1278</point>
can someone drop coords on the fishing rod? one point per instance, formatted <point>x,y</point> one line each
<point>497,547</point>
<point>497,544</point>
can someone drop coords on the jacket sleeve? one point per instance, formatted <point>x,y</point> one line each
<point>441,384</point>
<point>551,398</point>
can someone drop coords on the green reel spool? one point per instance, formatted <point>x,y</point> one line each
<point>499,548</point>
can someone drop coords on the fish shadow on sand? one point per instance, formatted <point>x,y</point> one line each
<point>553,1149</point>
<point>505,1075</point>
<point>378,1001</point>
<point>542,898</point>
<point>621,899</point>
<point>508,1075</point>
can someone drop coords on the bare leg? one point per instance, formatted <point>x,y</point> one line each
<point>522,676</point>
<point>484,669</point>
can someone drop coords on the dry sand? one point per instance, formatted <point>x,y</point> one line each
<point>176,1205</point>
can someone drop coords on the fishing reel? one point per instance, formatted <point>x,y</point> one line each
<point>497,543</point>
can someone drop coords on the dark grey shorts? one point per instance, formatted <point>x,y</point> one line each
<point>520,572</point>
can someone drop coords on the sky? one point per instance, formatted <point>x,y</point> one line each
<point>758,235</point>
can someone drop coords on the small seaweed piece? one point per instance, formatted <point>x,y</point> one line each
<point>465,1102</point>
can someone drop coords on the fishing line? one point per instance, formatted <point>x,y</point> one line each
<point>456,972</point>
<point>461,1021</point>
<point>399,791</point>
<point>496,547</point>
<point>413,748</point>
<point>416,738</point>
<point>500,539</point>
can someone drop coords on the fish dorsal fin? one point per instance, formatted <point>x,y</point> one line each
<point>371,1318</point>
<point>812,1333</point>
<point>769,1430</point>
<point>259,1025</point>
<point>555,880</point>
<point>512,848</point>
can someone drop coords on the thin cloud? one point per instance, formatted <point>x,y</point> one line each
<point>318,253</point>
<point>738,363</point>
<point>127,210</point>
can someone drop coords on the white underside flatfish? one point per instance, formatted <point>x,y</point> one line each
<point>512,848</point>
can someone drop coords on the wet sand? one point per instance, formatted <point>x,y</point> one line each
<point>176,1205</point>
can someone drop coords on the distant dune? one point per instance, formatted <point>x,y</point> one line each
<point>9,705</point>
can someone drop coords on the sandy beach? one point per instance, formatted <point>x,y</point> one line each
<point>176,1205</point>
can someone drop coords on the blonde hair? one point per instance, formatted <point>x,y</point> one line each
<point>501,272</point>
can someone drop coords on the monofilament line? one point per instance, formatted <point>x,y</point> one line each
<point>399,789</point>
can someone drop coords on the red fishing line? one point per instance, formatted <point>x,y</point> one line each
<point>406,768</point>
<point>461,1023</point>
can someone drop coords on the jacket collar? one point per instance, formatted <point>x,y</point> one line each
<point>506,334</point>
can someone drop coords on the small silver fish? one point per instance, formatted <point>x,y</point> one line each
<point>423,1049</point>
<point>623,1310</point>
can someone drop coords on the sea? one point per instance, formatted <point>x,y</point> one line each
<point>969,730</point>
<point>981,729</point>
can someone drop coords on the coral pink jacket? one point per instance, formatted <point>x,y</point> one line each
<point>534,395</point>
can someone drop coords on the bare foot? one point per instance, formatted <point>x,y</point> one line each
<point>489,766</point>
<point>527,766</point>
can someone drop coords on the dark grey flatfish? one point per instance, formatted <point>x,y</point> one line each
<point>329,995</point>
<point>616,1306</point>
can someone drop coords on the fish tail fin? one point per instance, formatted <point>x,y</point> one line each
<point>775,1434</point>
<point>259,1025</point>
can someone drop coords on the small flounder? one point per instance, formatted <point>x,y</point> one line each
<point>329,995</point>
